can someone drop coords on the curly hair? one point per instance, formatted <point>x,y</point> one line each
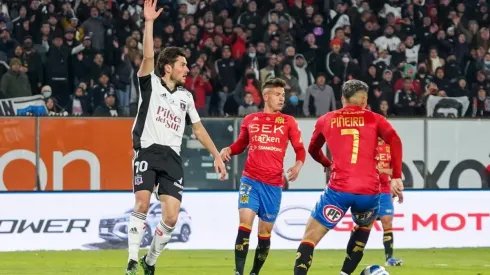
<point>169,56</point>
<point>351,87</point>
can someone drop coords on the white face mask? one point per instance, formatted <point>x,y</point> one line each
<point>345,59</point>
<point>252,55</point>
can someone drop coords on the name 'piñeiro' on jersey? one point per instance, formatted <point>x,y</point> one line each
<point>162,114</point>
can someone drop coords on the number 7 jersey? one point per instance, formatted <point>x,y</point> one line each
<point>351,134</point>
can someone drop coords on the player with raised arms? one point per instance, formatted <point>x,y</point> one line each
<point>352,137</point>
<point>267,135</point>
<point>164,109</point>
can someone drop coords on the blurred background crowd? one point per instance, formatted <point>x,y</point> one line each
<point>83,55</point>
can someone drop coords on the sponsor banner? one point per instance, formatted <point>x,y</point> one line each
<point>456,157</point>
<point>447,106</point>
<point>67,221</point>
<point>21,106</point>
<point>94,154</point>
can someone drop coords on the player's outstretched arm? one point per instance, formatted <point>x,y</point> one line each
<point>147,65</point>
<point>316,144</point>
<point>299,149</point>
<point>203,137</point>
<point>239,145</point>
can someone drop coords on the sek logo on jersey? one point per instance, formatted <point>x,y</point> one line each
<point>168,118</point>
<point>332,213</point>
<point>267,129</point>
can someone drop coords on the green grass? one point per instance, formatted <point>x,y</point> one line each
<point>280,262</point>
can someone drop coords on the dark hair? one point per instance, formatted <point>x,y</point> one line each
<point>169,56</point>
<point>274,83</point>
<point>351,87</point>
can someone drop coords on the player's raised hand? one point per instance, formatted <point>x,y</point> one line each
<point>149,10</point>
<point>225,154</point>
<point>293,172</point>
<point>219,167</point>
<point>396,186</point>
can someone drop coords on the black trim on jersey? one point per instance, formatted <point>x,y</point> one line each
<point>168,89</point>
<point>145,93</point>
<point>187,117</point>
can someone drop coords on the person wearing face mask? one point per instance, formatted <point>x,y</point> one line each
<point>46,91</point>
<point>32,60</point>
<point>292,106</point>
<point>422,77</point>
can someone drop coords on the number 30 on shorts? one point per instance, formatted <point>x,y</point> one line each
<point>141,166</point>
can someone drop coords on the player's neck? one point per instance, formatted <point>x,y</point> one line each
<point>350,105</point>
<point>268,110</point>
<point>170,84</point>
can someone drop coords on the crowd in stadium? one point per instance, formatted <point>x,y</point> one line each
<point>83,55</point>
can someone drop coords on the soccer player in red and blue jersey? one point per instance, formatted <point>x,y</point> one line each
<point>267,135</point>
<point>352,137</point>
<point>386,207</point>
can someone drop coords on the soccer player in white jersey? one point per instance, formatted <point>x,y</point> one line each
<point>163,111</point>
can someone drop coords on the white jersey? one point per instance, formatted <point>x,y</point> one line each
<point>162,114</point>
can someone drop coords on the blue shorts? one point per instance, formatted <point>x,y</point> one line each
<point>332,206</point>
<point>386,207</point>
<point>263,199</point>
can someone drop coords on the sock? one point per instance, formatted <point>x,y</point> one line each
<point>136,231</point>
<point>358,241</point>
<point>163,233</point>
<point>261,252</point>
<point>352,241</point>
<point>241,247</point>
<point>304,258</point>
<point>388,243</point>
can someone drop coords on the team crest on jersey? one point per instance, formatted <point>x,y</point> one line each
<point>279,120</point>
<point>183,105</point>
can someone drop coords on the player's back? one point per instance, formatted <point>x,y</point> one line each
<point>351,134</point>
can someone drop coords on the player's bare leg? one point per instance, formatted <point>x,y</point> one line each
<point>314,233</point>
<point>163,232</point>
<point>137,228</point>
<point>247,217</point>
<point>355,248</point>
<point>262,251</point>
<point>387,223</point>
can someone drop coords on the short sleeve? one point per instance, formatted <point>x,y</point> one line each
<point>192,115</point>
<point>145,82</point>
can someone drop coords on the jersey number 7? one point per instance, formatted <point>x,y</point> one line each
<point>355,142</point>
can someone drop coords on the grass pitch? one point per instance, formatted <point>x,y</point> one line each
<point>206,262</point>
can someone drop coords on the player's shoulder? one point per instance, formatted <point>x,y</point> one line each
<point>252,117</point>
<point>285,119</point>
<point>183,92</point>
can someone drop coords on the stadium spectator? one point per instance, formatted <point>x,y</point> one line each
<point>14,82</point>
<point>248,107</point>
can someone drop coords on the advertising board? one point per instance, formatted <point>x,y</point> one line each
<point>95,154</point>
<point>67,221</point>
